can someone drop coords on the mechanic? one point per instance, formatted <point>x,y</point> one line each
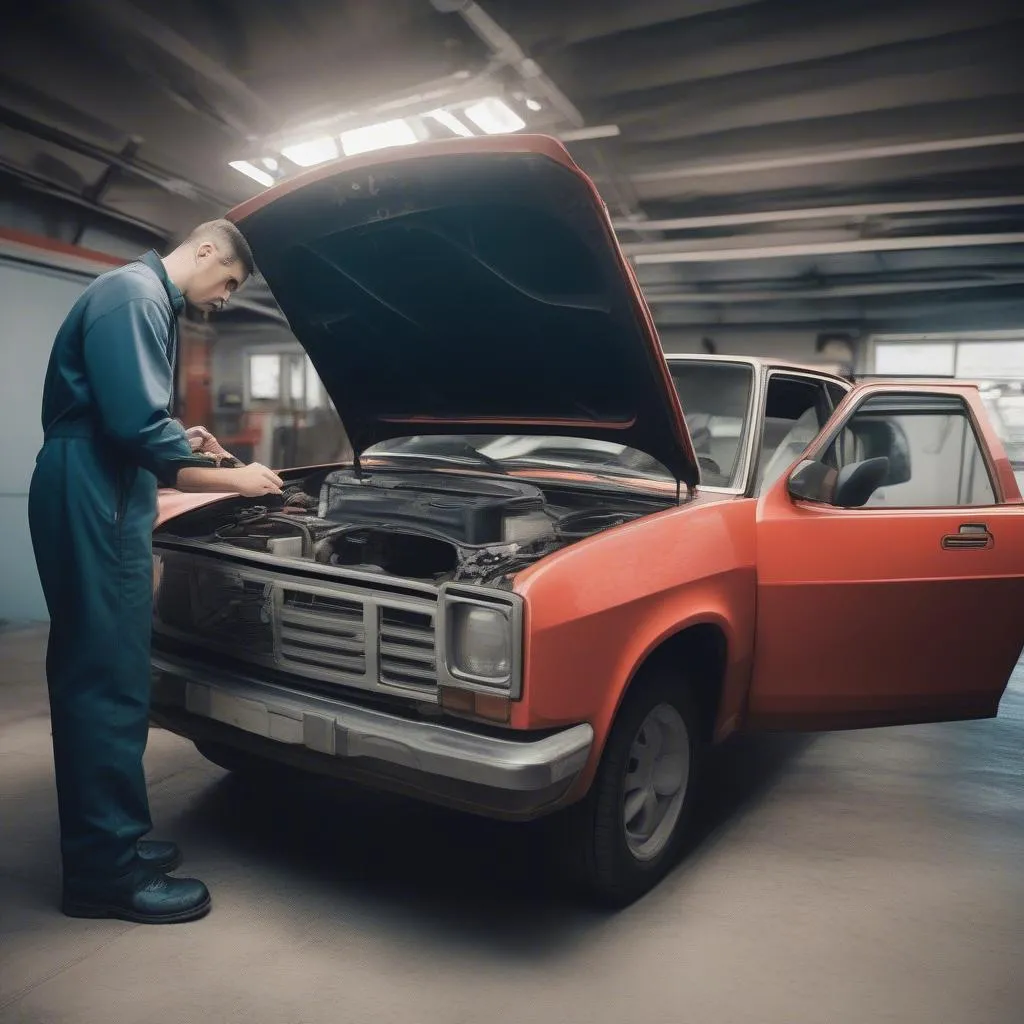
<point>108,440</point>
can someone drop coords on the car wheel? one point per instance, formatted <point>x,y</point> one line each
<point>236,761</point>
<point>627,833</point>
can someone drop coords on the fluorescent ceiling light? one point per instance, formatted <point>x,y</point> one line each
<point>378,136</point>
<point>450,121</point>
<point>315,151</point>
<point>494,116</point>
<point>253,172</point>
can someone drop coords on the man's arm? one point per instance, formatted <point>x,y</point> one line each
<point>126,362</point>
<point>130,376</point>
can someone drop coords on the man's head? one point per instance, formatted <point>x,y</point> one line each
<point>212,263</point>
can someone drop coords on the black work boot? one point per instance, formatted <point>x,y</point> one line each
<point>145,897</point>
<point>159,856</point>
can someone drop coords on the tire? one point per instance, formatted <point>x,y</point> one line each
<point>608,854</point>
<point>238,762</point>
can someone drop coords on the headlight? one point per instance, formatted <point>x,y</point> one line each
<point>480,642</point>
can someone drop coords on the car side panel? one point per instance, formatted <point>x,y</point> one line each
<point>596,610</point>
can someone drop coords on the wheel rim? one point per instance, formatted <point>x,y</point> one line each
<point>657,775</point>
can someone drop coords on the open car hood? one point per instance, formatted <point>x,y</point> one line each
<point>468,286</point>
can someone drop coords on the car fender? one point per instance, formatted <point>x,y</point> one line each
<point>597,610</point>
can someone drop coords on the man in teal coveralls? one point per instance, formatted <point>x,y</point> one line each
<point>108,440</point>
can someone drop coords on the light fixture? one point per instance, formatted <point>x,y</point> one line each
<point>269,162</point>
<point>378,136</point>
<point>494,116</point>
<point>312,152</point>
<point>450,121</point>
<point>533,104</point>
<point>252,171</point>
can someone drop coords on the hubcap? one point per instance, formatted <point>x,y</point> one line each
<point>657,774</point>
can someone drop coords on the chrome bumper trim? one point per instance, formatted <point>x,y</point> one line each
<point>343,730</point>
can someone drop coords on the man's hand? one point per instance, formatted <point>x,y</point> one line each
<point>250,481</point>
<point>254,480</point>
<point>205,445</point>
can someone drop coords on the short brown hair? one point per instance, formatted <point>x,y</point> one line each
<point>228,237</point>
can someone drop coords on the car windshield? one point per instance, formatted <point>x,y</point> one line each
<point>715,397</point>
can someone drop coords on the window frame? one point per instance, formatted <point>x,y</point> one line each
<point>826,440</point>
<point>820,381</point>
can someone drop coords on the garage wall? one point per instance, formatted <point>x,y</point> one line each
<point>34,301</point>
<point>793,346</point>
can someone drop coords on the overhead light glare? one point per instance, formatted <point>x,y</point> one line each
<point>450,121</point>
<point>494,116</point>
<point>269,162</point>
<point>311,153</point>
<point>252,171</point>
<point>533,104</point>
<point>378,136</point>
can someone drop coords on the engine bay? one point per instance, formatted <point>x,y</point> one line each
<point>429,526</point>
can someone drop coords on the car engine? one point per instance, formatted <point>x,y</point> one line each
<point>429,526</point>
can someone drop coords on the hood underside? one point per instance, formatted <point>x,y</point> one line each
<point>474,286</point>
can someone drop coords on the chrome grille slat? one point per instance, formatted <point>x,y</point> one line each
<point>410,675</point>
<point>406,634</point>
<point>424,656</point>
<point>317,656</point>
<point>318,638</point>
<point>317,621</point>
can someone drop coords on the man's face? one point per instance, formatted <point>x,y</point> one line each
<point>213,282</point>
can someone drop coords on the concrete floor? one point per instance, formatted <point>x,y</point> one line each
<point>872,876</point>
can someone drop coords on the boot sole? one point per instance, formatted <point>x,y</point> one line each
<point>95,911</point>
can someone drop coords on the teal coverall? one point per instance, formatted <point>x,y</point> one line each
<point>108,439</point>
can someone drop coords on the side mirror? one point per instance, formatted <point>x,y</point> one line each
<point>858,481</point>
<point>850,487</point>
<point>812,481</point>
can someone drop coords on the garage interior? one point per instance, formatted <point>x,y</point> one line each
<point>837,184</point>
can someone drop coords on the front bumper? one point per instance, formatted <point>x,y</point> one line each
<point>498,777</point>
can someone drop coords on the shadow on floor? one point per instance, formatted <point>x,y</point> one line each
<point>480,882</point>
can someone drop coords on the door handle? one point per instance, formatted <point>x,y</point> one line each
<point>970,535</point>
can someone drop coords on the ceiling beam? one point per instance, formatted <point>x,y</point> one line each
<point>826,248</point>
<point>130,19</point>
<point>145,172</point>
<point>853,212</point>
<point>712,298</point>
<point>820,158</point>
<point>44,186</point>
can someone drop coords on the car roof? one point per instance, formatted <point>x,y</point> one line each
<point>758,363</point>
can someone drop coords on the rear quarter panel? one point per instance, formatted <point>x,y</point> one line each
<point>595,611</point>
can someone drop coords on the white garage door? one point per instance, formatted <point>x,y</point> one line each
<point>33,303</point>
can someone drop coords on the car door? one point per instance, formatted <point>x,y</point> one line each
<point>908,607</point>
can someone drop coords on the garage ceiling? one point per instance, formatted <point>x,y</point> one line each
<point>769,165</point>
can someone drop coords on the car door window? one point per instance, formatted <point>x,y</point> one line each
<point>944,462</point>
<point>796,408</point>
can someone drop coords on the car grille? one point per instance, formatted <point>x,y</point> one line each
<point>408,654</point>
<point>325,632</point>
<point>216,607</point>
<point>328,631</point>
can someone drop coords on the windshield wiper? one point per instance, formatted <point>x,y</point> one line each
<point>463,452</point>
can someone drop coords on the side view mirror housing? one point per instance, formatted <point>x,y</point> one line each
<point>812,481</point>
<point>849,487</point>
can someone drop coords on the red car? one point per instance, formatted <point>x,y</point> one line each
<point>564,624</point>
